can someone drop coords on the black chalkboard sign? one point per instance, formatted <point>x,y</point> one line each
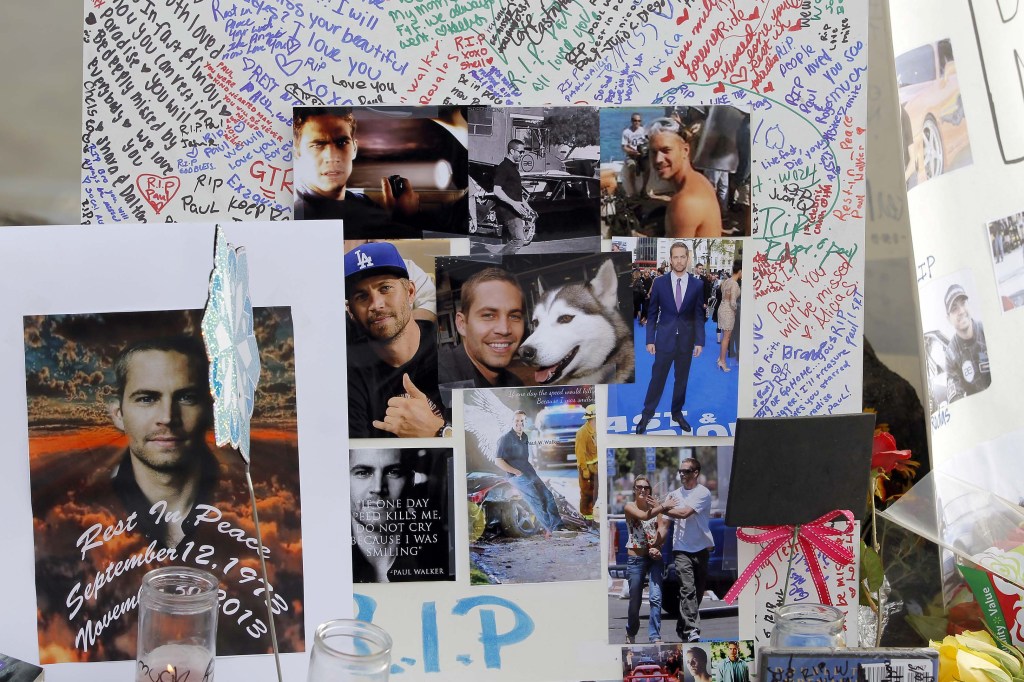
<point>848,665</point>
<point>793,470</point>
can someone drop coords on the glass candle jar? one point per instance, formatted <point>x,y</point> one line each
<point>808,625</point>
<point>350,651</point>
<point>177,626</point>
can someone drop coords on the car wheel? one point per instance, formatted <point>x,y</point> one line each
<point>931,142</point>
<point>518,520</point>
<point>530,231</point>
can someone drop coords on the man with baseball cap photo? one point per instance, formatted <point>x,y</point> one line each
<point>967,366</point>
<point>392,361</point>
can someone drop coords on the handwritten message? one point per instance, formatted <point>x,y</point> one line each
<point>188,109</point>
<point>771,589</point>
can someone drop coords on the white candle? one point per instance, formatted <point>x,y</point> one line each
<point>175,663</point>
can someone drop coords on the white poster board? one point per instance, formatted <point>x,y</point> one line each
<point>60,270</point>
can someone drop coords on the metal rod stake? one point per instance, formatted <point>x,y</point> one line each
<point>266,578</point>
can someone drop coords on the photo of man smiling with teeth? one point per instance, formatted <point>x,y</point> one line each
<point>491,323</point>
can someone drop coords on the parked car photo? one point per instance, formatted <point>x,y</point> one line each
<point>929,94</point>
<point>556,434</point>
<point>647,673</point>
<point>567,206</point>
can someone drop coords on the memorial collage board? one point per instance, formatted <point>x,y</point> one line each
<point>565,246</point>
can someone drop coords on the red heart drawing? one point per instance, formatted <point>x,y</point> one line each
<point>668,76</point>
<point>490,60</point>
<point>683,17</point>
<point>769,88</point>
<point>156,190</point>
<point>860,131</point>
<point>719,89</point>
<point>756,14</point>
<point>796,26</point>
<point>739,76</point>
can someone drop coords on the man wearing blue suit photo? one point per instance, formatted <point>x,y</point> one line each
<point>675,334</point>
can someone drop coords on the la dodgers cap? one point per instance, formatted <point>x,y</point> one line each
<point>954,292</point>
<point>375,258</point>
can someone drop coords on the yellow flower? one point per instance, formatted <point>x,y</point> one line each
<point>982,644</point>
<point>974,657</point>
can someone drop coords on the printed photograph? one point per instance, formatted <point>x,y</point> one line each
<point>402,503</point>
<point>713,662</point>
<point>671,556</point>
<point>531,485</point>
<point>931,113</point>
<point>391,339</point>
<point>675,172</point>
<point>956,355</point>
<point>533,176</point>
<point>534,320</point>
<point>1006,239</point>
<point>388,172</point>
<point>126,477</point>
<point>15,670</point>
<point>687,310</point>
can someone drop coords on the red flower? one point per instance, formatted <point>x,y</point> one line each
<point>884,454</point>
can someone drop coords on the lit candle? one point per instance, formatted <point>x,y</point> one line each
<point>176,663</point>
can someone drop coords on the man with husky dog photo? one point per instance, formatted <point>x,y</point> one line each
<point>534,320</point>
<point>675,334</point>
<point>491,322</point>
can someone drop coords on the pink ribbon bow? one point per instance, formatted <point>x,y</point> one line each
<point>810,536</point>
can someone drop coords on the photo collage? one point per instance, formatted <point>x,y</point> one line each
<point>478,295</point>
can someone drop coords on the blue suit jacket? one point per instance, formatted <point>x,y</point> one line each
<point>664,322</point>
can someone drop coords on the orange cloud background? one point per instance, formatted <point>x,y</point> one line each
<point>73,450</point>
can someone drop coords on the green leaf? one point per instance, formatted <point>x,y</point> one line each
<point>870,570</point>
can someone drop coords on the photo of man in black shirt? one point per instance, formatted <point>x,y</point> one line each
<point>392,362</point>
<point>512,210</point>
<point>514,459</point>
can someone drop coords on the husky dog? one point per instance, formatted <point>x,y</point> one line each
<point>578,336</point>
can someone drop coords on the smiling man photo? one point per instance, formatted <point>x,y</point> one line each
<point>392,360</point>
<point>491,323</point>
<point>693,210</point>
